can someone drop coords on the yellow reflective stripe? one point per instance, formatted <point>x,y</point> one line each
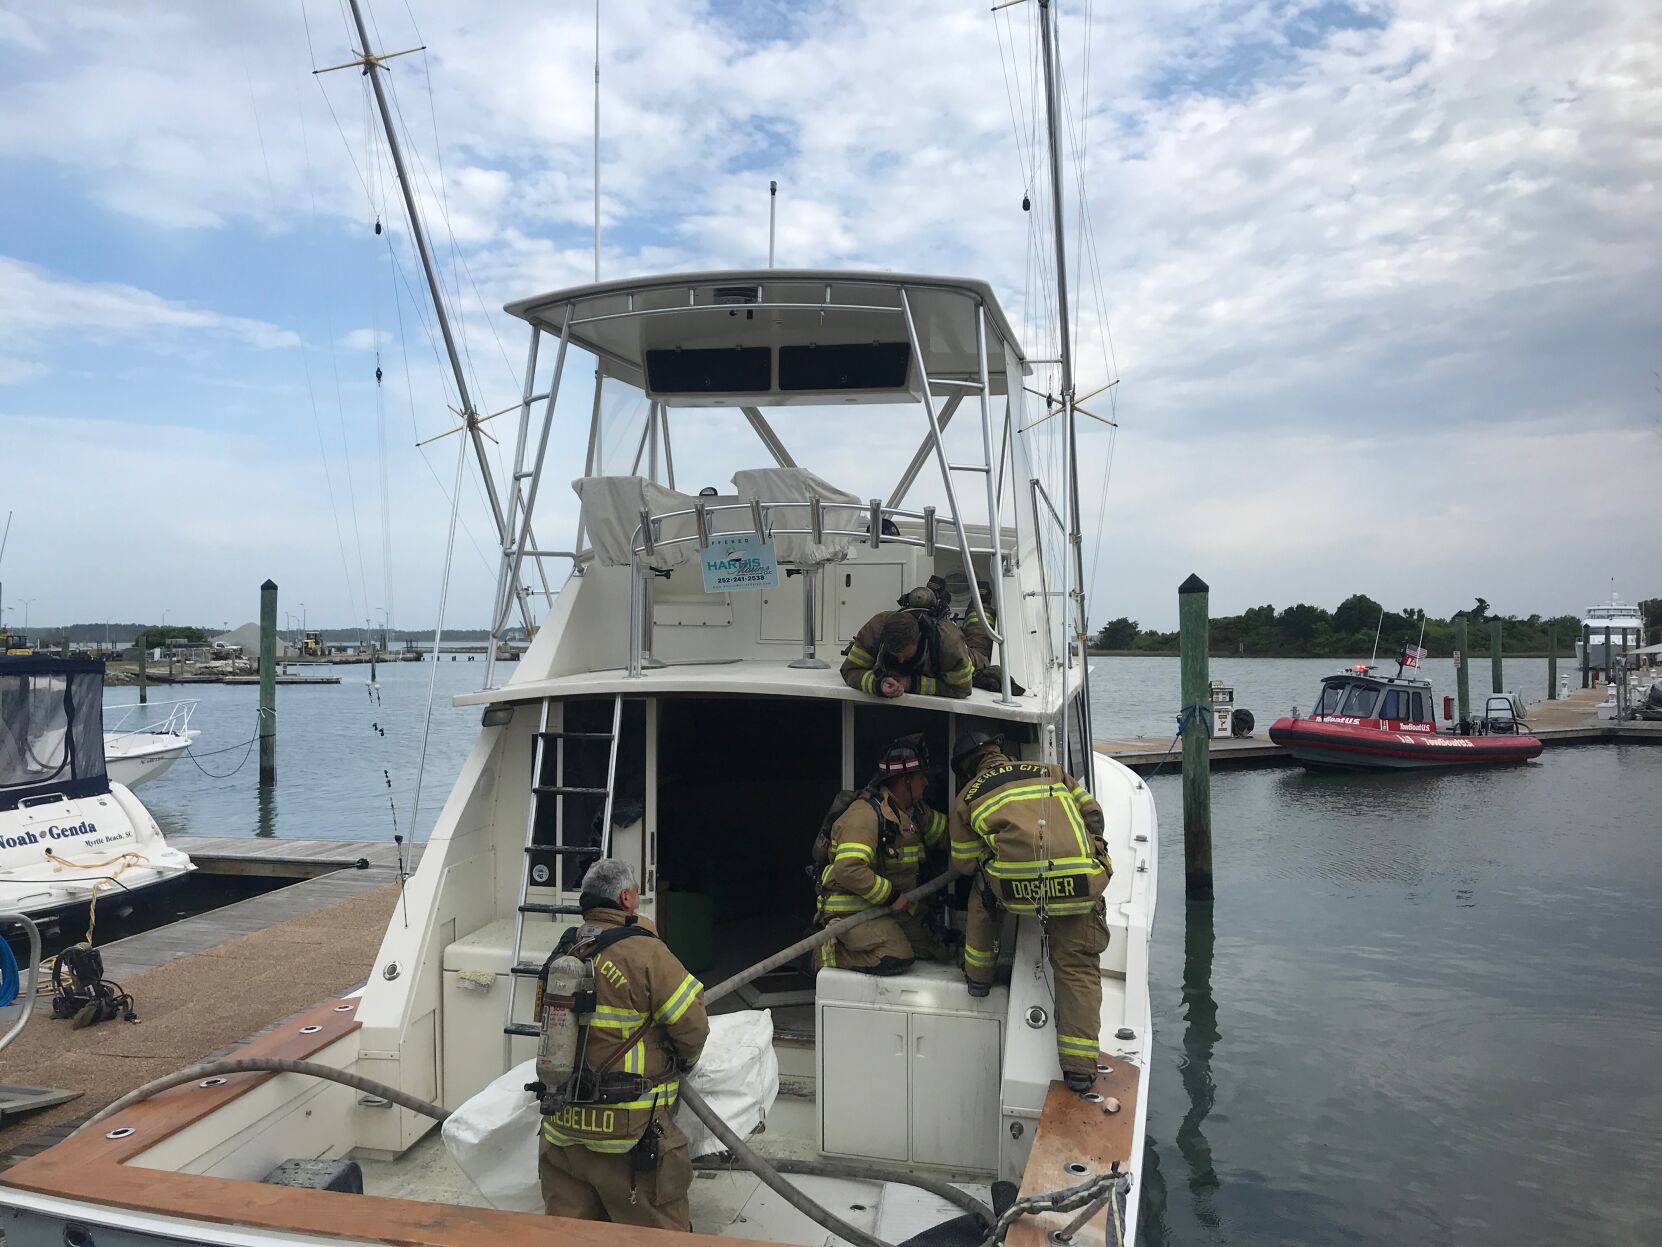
<point>979,956</point>
<point>927,685</point>
<point>909,855</point>
<point>665,1095</point>
<point>561,1139</point>
<point>1055,909</point>
<point>868,682</point>
<point>828,953</point>
<point>859,657</point>
<point>1079,794</point>
<point>966,852</point>
<point>1050,866</point>
<point>1031,792</point>
<point>854,848</point>
<point>843,903</point>
<point>1075,1045</point>
<point>679,1001</point>
<point>879,891</point>
<point>1019,792</point>
<point>609,1017</point>
<point>963,675</point>
<point>634,1061</point>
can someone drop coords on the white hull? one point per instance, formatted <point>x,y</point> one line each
<point>138,757</point>
<point>55,854</point>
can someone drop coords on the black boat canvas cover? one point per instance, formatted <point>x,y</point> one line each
<point>51,728</point>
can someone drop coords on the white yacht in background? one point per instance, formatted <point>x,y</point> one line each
<point>1608,631</point>
<point>67,831</point>
<point>136,751</point>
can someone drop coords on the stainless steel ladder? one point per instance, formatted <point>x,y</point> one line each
<point>549,865</point>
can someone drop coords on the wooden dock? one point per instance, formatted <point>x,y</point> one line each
<point>205,983</point>
<point>1568,721</point>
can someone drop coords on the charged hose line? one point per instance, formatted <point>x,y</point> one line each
<point>267,1065</point>
<point>771,1177</point>
<point>744,1154</point>
<point>859,1171</point>
<point>824,934</point>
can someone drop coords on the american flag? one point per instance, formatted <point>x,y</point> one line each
<point>1411,655</point>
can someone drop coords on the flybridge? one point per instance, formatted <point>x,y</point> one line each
<point>784,337</point>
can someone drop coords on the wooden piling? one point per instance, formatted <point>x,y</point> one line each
<point>1193,622</point>
<point>1586,642</point>
<point>268,684</point>
<point>143,676</point>
<point>1495,631</point>
<point>1552,662</point>
<point>1462,672</point>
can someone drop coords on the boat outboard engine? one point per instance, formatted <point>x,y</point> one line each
<point>565,1004</point>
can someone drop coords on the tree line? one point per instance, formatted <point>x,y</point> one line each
<point>1305,631</point>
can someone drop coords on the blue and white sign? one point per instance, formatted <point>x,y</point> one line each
<point>738,561</point>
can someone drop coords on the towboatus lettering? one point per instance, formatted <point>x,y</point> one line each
<point>1447,742</point>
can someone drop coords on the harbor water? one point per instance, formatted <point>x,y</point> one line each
<point>1422,1009</point>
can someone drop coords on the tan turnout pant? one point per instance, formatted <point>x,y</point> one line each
<point>595,1186</point>
<point>886,945</point>
<point>1076,942</point>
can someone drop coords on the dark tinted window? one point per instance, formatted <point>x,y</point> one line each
<point>1419,706</point>
<point>723,370</point>
<point>1360,702</point>
<point>1332,696</point>
<point>1393,708</point>
<point>857,366</point>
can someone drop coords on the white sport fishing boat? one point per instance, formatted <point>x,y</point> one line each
<point>673,711</point>
<point>137,751</point>
<point>68,833</point>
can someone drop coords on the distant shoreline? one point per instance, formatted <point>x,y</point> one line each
<point>1172,653</point>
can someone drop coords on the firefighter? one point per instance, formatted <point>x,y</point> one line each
<point>910,650</point>
<point>586,1166</point>
<point>978,634</point>
<point>875,853</point>
<point>1033,837</point>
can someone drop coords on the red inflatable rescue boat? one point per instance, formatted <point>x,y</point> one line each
<point>1365,721</point>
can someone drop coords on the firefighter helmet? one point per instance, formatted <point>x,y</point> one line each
<point>920,599</point>
<point>972,740</point>
<point>905,755</point>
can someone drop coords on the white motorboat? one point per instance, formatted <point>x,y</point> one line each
<point>672,710</point>
<point>697,734</point>
<point>68,833</point>
<point>136,751</point>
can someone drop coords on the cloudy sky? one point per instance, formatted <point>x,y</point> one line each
<point>1382,278</point>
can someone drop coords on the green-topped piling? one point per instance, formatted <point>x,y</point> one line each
<point>1462,672</point>
<point>268,684</point>
<point>1193,622</point>
<point>1552,662</point>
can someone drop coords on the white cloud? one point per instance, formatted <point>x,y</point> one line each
<point>1435,226</point>
<point>366,340</point>
<point>36,305</point>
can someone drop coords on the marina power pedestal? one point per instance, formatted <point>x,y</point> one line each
<point>1221,699</point>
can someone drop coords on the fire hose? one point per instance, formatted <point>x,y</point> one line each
<point>766,1171</point>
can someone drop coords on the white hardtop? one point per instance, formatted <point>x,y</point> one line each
<point>624,322</point>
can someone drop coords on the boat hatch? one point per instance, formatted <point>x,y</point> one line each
<point>51,729</point>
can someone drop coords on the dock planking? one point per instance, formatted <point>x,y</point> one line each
<point>328,871</point>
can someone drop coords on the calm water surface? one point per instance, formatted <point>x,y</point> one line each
<point>1422,1009</point>
<point>333,761</point>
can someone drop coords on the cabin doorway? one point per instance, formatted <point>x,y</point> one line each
<point>742,786</point>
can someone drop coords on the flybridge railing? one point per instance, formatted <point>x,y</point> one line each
<point>645,542</point>
<point>525,478</point>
